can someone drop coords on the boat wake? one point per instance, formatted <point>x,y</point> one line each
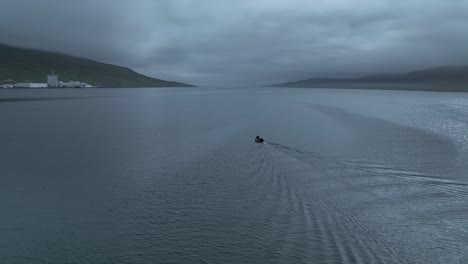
<point>420,200</point>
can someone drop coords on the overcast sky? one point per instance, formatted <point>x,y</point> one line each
<point>249,42</point>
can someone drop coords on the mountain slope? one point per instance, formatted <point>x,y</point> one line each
<point>450,78</point>
<point>27,65</point>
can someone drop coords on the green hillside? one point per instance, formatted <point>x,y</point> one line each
<point>26,65</point>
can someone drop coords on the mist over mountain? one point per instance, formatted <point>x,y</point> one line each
<point>245,43</point>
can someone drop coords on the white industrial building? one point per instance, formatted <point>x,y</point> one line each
<point>69,84</point>
<point>30,85</point>
<point>53,80</point>
<point>74,84</point>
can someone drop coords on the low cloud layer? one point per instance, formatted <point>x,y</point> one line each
<point>212,42</point>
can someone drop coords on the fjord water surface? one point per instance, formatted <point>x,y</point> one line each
<point>173,176</point>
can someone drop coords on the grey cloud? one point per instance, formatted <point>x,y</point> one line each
<point>245,42</point>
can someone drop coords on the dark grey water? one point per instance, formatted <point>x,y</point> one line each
<point>173,176</point>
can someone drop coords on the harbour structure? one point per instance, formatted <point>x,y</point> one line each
<point>74,84</point>
<point>30,85</point>
<point>53,80</point>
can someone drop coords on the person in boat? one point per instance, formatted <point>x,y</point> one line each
<point>258,139</point>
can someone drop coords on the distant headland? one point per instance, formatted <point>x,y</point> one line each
<point>28,68</point>
<point>447,78</point>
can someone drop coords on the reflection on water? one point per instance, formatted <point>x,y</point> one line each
<point>173,176</point>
